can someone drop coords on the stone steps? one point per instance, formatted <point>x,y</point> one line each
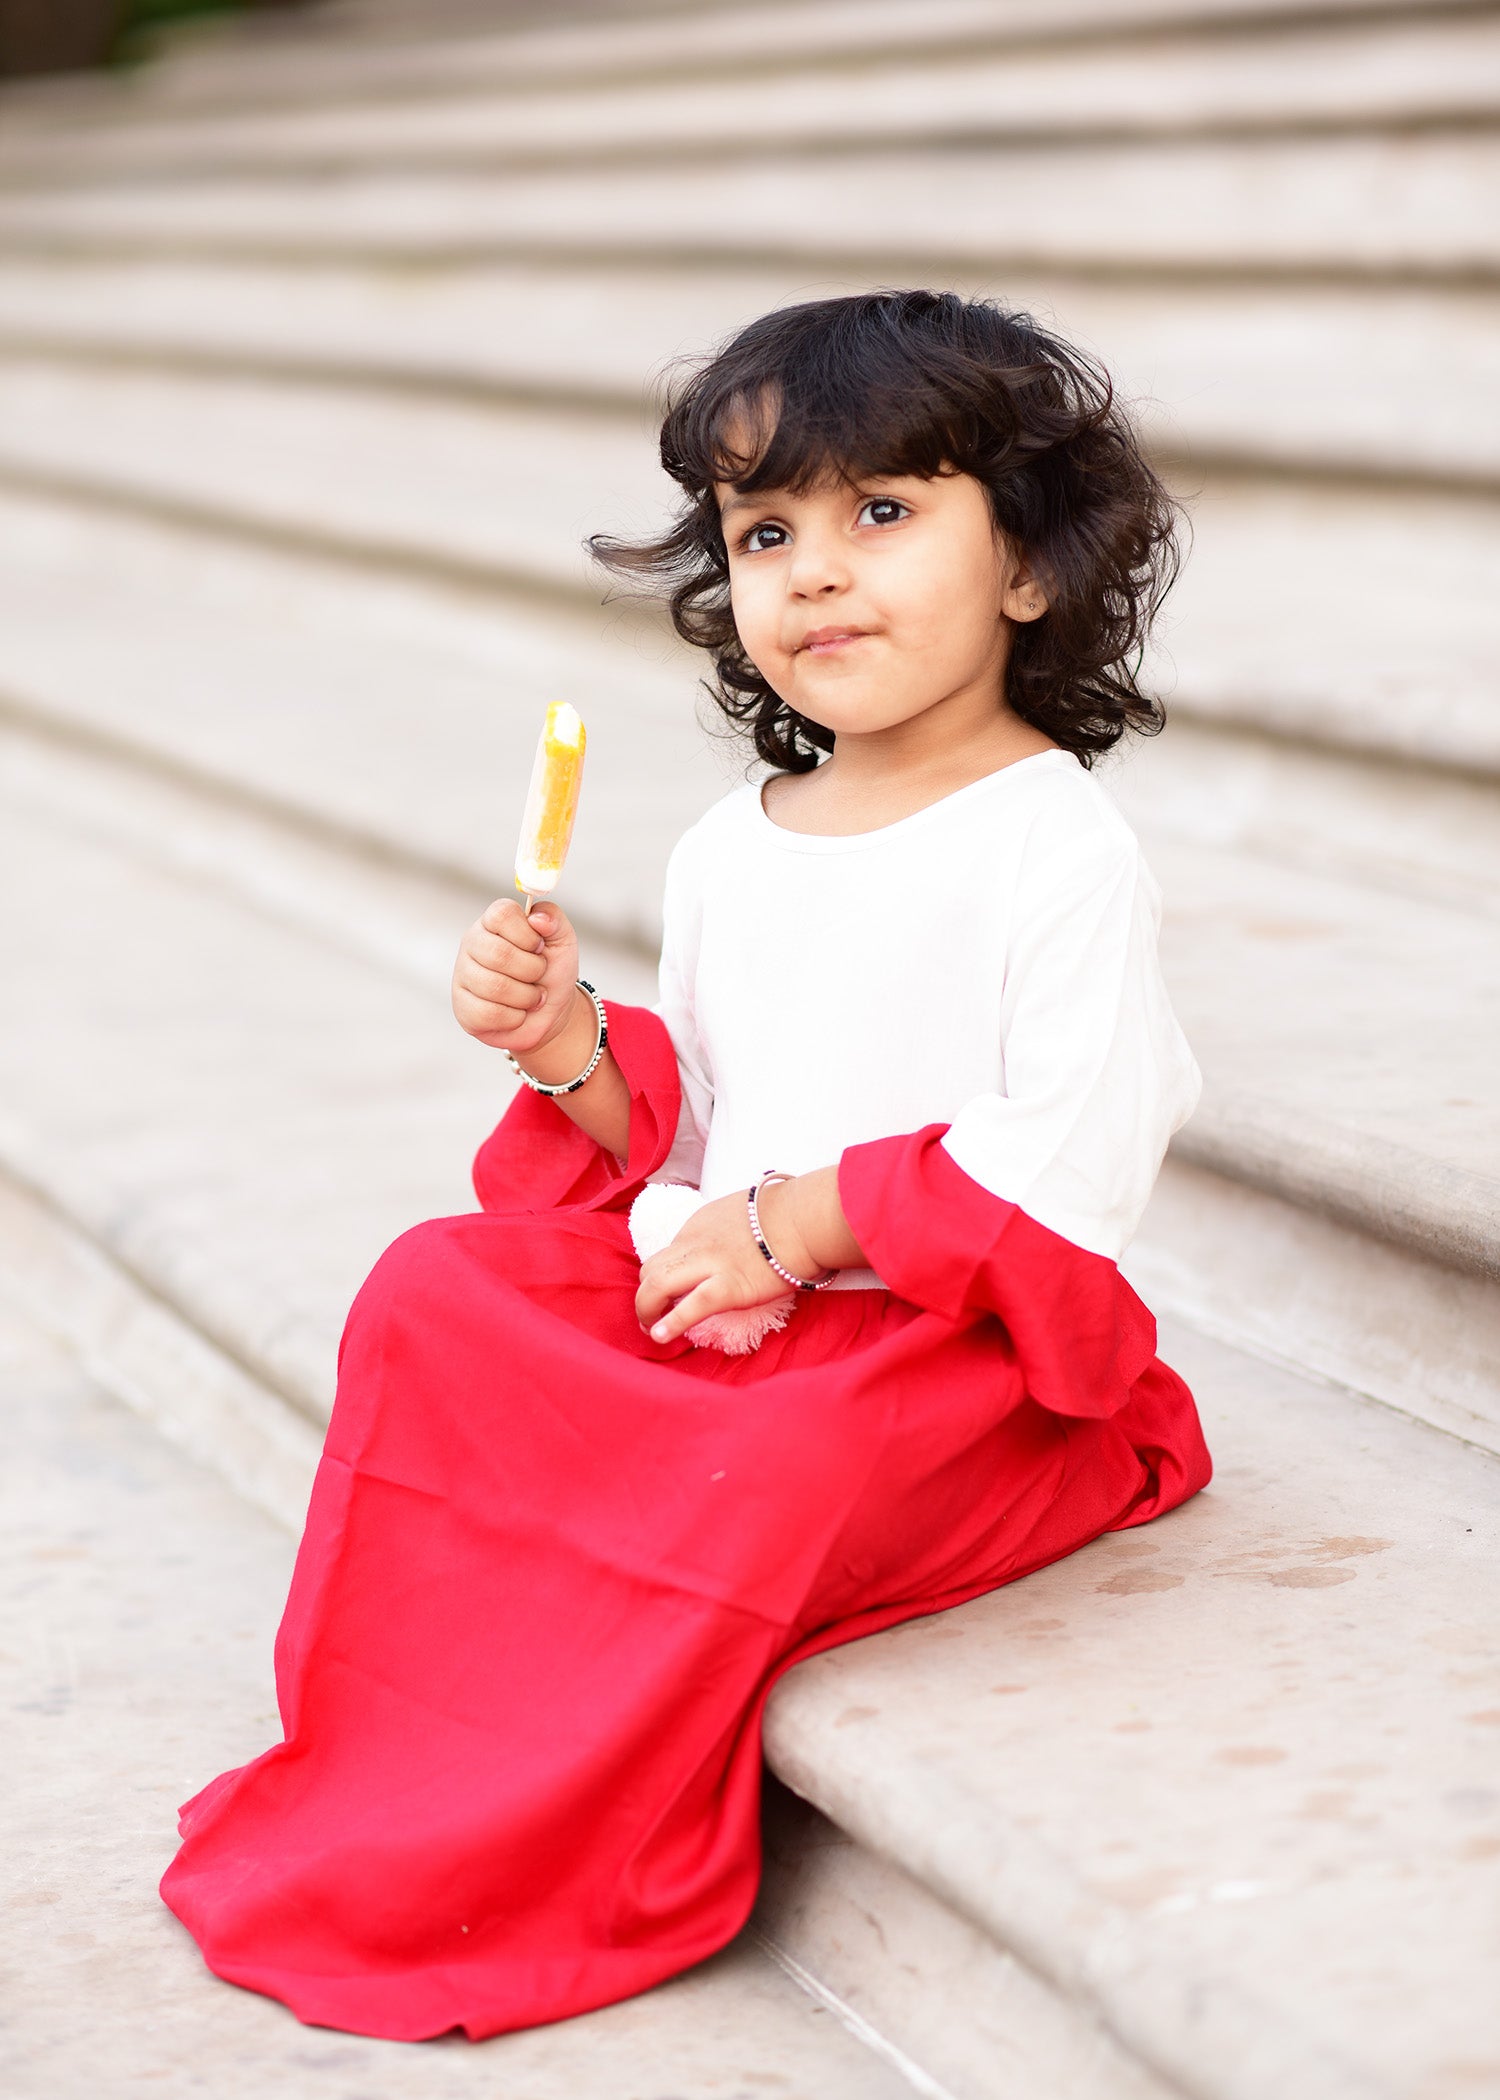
<point>499,497</point>
<point>319,353</point>
<point>191,1198</point>
<point>1427,71</point>
<point>1389,1205</point>
<point>1347,208</point>
<point>343,54</point>
<point>1222,375</point>
<point>145,1595</point>
<point>1381,1205</point>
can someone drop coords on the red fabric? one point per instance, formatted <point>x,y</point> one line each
<point>551,1568</point>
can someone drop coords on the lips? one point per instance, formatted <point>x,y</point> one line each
<point>823,639</point>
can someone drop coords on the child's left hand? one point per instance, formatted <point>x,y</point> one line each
<point>714,1265</point>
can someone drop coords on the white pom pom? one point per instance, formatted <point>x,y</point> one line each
<point>659,1213</point>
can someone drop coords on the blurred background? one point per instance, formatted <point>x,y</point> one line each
<point>327,331</point>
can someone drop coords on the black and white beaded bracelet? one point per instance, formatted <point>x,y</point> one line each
<point>819,1283</point>
<point>571,1085</point>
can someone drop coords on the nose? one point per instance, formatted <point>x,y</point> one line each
<point>819,565</point>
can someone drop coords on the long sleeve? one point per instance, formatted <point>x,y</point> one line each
<point>682,921</point>
<point>1097,1071</point>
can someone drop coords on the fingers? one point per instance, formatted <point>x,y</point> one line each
<point>497,987</point>
<point>677,1319</point>
<point>667,1277</point>
<point>505,916</point>
<point>503,942</point>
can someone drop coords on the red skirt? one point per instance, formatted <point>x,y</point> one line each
<point>552,1568</point>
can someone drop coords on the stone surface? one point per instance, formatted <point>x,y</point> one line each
<point>142,1597</point>
<point>1230,1778</point>
<point>1405,829</point>
<point>391,718</point>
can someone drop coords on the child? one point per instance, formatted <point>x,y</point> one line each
<point>912,1073</point>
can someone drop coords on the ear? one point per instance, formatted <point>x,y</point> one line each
<point>1023,598</point>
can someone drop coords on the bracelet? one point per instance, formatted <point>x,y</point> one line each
<point>819,1283</point>
<point>539,1086</point>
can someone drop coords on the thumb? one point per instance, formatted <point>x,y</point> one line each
<point>546,920</point>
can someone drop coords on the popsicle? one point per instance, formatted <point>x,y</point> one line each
<point>551,802</point>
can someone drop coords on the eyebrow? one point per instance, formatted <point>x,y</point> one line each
<point>735,503</point>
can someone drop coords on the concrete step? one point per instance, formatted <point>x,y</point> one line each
<point>1429,71</point>
<point>1228,1915</point>
<point>1219,374</point>
<point>500,498</point>
<point>1227,1780</point>
<point>145,1594</point>
<point>1345,208</point>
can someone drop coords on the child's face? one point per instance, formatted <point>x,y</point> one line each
<point>864,605</point>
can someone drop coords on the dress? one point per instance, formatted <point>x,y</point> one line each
<point>551,1568</point>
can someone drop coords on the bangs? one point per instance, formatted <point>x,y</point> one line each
<point>833,390</point>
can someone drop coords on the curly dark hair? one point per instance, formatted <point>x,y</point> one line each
<point>921,382</point>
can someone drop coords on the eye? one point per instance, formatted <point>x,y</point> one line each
<point>754,542</point>
<point>883,510</point>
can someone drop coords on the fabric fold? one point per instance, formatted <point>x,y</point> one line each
<point>1080,1335</point>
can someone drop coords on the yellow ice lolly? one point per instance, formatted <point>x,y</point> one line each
<point>551,801</point>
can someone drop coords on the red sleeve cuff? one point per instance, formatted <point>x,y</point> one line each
<point>1081,1335</point>
<point>537,1158</point>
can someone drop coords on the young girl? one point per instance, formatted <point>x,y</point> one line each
<point>907,1086</point>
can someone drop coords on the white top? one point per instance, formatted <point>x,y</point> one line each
<point>989,962</point>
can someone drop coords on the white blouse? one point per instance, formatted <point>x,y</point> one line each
<point>989,962</point>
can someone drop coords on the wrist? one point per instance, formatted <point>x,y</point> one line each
<point>777,1208</point>
<point>813,1220</point>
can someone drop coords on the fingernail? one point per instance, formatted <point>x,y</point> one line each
<point>659,1331</point>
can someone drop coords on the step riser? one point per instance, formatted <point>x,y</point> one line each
<point>1309,1292</point>
<point>979,2022</point>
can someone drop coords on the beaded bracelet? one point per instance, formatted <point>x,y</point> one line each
<point>819,1283</point>
<point>539,1086</point>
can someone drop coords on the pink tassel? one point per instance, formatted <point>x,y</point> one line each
<point>743,1328</point>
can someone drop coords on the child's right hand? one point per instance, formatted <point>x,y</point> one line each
<point>514,983</point>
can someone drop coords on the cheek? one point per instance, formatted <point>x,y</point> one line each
<point>947,606</point>
<point>756,604</point>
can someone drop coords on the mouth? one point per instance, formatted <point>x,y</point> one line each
<point>828,641</point>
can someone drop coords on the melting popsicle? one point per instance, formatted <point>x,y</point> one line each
<point>551,801</point>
